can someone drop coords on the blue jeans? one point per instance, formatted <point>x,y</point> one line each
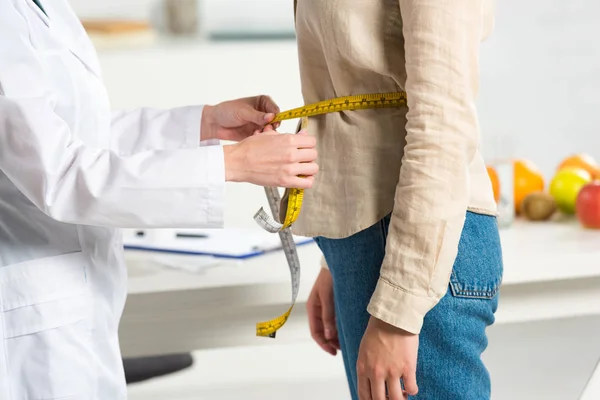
<point>453,337</point>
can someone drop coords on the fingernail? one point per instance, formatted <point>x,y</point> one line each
<point>328,333</point>
<point>269,116</point>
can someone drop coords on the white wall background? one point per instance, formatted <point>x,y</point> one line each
<point>540,78</point>
<point>135,9</point>
<point>272,16</point>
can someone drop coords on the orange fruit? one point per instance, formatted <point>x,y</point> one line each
<point>527,179</point>
<point>495,182</point>
<point>581,161</point>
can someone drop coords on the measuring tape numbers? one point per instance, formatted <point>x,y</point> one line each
<point>288,210</point>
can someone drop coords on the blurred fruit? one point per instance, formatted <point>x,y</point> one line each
<point>495,182</point>
<point>565,187</point>
<point>538,206</point>
<point>527,179</point>
<point>588,205</point>
<point>582,161</point>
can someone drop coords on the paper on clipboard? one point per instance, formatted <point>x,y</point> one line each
<point>194,265</point>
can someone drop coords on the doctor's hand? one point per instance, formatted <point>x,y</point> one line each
<point>387,354</point>
<point>272,159</point>
<point>321,313</point>
<point>235,120</point>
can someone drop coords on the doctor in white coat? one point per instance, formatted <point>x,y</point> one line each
<point>72,174</point>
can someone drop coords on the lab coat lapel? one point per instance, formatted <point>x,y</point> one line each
<point>81,47</point>
<point>61,19</point>
<point>38,11</point>
<point>86,54</point>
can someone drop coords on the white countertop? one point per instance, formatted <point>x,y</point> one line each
<point>549,251</point>
<point>533,252</point>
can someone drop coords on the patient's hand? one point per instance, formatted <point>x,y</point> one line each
<point>387,354</point>
<point>321,313</point>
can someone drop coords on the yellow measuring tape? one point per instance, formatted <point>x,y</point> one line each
<point>288,210</point>
<point>345,103</point>
<point>293,198</point>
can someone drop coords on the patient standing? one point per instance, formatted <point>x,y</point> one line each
<point>403,209</point>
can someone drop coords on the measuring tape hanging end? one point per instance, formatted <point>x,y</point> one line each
<point>267,222</point>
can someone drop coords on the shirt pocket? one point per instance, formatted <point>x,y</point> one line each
<point>478,267</point>
<point>45,315</point>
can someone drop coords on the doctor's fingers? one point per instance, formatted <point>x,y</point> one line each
<point>267,105</point>
<point>303,155</point>
<point>256,117</point>
<point>305,169</point>
<point>299,141</point>
<point>302,180</point>
<point>297,182</point>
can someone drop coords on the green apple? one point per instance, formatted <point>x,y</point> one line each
<point>565,187</point>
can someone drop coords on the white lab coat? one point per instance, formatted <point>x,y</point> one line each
<point>71,175</point>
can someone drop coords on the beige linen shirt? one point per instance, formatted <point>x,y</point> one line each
<point>423,166</point>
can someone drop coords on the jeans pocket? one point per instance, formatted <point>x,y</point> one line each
<point>478,268</point>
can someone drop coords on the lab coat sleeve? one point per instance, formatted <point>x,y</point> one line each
<point>76,183</point>
<point>146,128</point>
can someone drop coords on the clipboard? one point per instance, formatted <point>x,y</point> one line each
<point>234,244</point>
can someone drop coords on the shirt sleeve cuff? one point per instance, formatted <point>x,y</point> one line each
<point>216,194</point>
<point>194,135</point>
<point>210,142</point>
<point>398,307</point>
<point>192,126</point>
